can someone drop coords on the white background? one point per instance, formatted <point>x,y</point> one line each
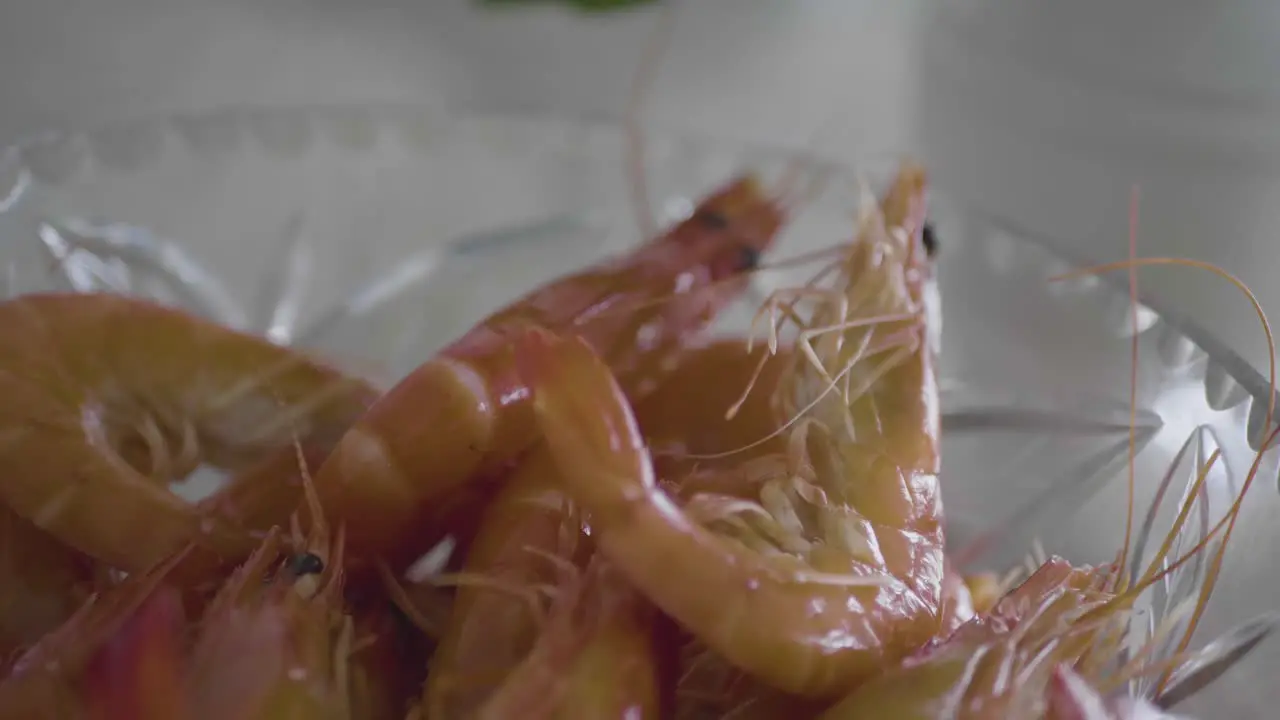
<point>1198,136</point>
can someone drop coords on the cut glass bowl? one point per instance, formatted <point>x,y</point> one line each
<point>376,234</point>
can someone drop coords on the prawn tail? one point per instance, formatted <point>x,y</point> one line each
<point>137,673</point>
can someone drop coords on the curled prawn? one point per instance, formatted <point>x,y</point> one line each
<point>837,567</point>
<point>100,388</point>
<point>42,582</point>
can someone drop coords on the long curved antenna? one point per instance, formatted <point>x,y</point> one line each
<point>646,73</point>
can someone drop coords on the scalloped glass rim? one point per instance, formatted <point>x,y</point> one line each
<point>15,176</point>
<point>1232,398</point>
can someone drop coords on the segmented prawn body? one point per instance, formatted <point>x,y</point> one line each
<point>466,413</point>
<point>100,388</point>
<point>837,567</point>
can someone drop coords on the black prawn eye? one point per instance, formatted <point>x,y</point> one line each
<point>712,220</point>
<point>929,239</point>
<point>748,258</point>
<point>305,564</point>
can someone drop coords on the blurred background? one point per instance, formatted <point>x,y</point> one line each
<point>1043,113</point>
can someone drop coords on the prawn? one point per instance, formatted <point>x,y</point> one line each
<point>279,649</point>
<point>997,665</point>
<point>501,634</point>
<point>466,414</point>
<point>98,387</point>
<point>1052,647</point>
<point>808,611</point>
<point>685,438</point>
<point>137,673</point>
<point>387,663</point>
<point>716,371</point>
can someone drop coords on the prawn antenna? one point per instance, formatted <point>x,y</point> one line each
<point>1133,382</point>
<point>646,73</point>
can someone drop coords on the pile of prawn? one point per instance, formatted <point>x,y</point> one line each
<point>582,508</point>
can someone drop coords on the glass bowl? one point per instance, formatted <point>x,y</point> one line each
<point>376,234</point>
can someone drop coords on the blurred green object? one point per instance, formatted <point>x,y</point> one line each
<point>584,5</point>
